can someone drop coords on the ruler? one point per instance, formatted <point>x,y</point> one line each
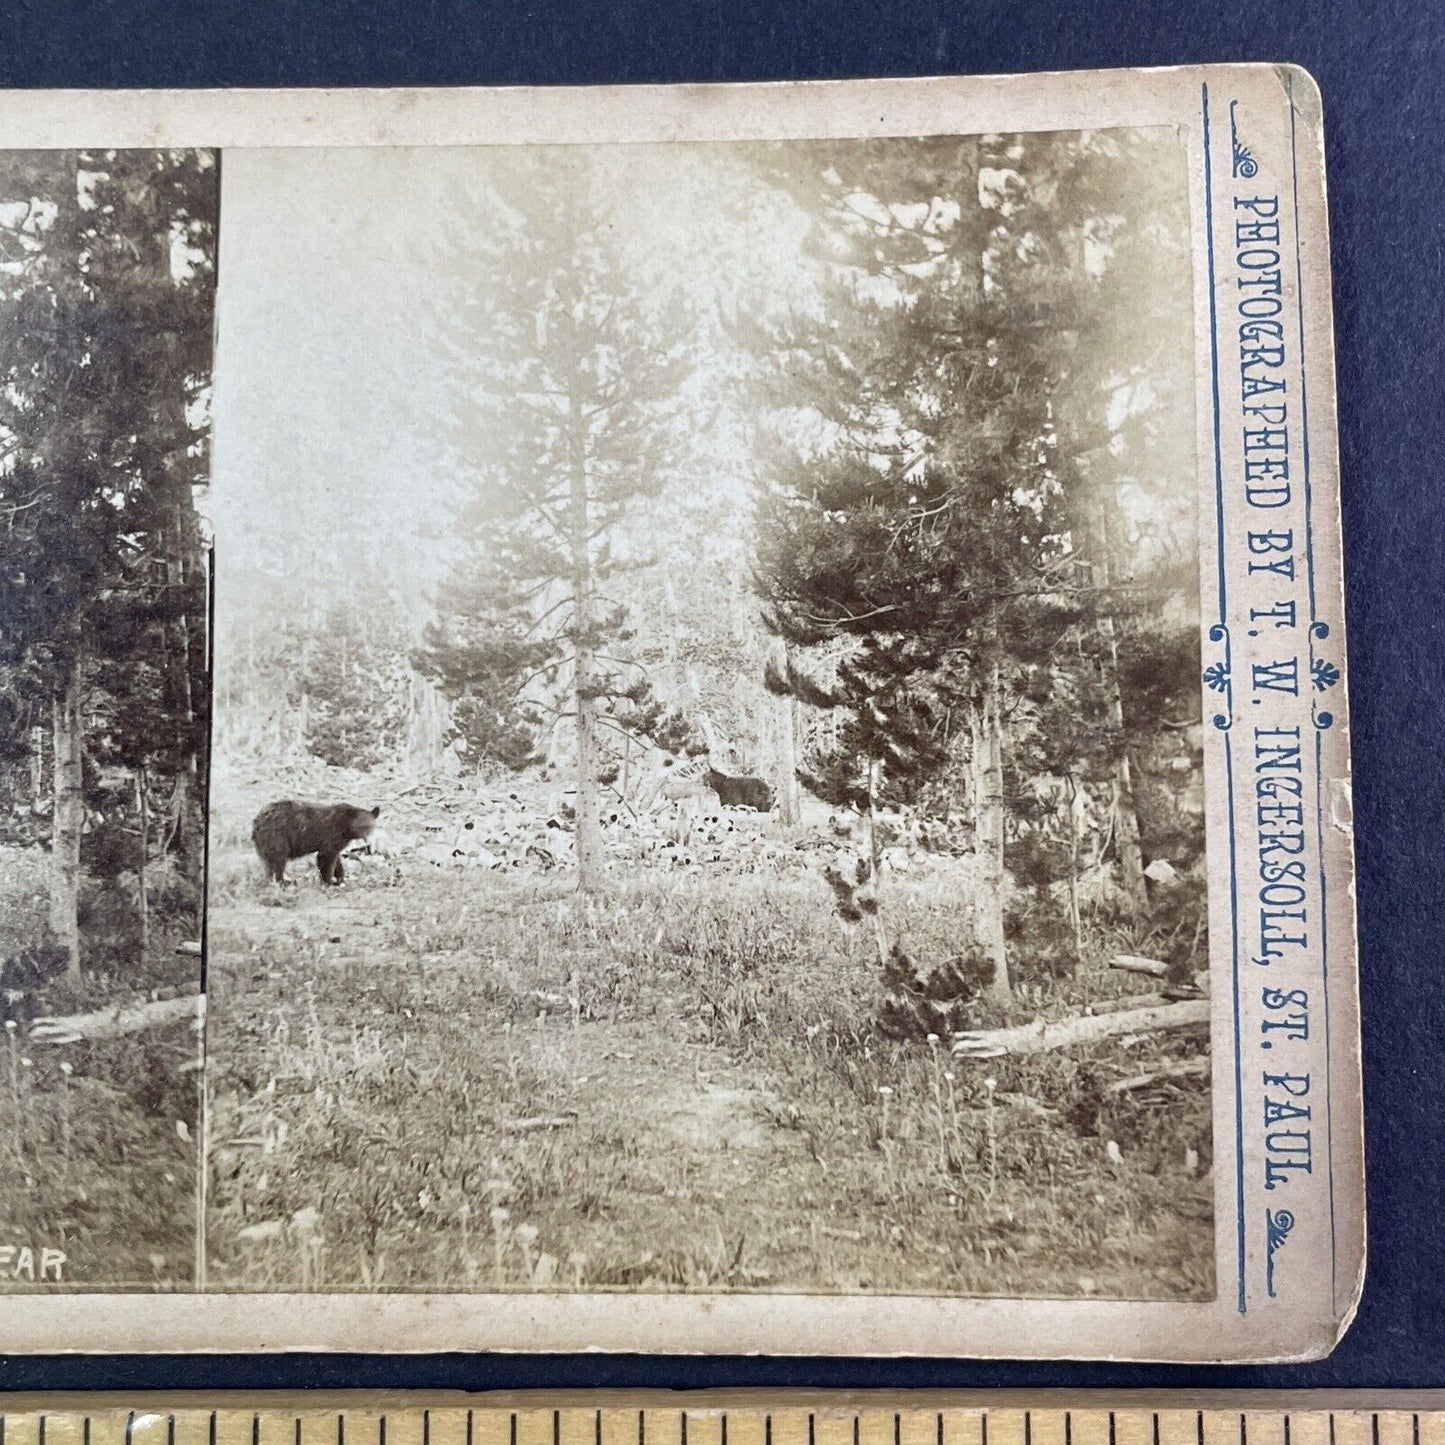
<point>729,1418</point>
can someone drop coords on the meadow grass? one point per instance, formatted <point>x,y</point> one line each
<point>99,1140</point>
<point>478,1081</point>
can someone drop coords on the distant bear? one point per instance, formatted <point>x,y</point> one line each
<point>740,792</point>
<point>283,831</point>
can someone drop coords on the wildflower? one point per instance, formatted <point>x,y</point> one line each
<point>306,1221</point>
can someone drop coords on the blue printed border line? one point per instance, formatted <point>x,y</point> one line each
<point>1219,632</point>
<point>1323,675</point>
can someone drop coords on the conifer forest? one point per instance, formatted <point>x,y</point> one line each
<point>106,290</point>
<point>755,589</point>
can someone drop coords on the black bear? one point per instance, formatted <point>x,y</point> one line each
<point>283,831</point>
<point>740,792</point>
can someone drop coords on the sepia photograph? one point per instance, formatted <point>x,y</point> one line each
<point>684,720</point>
<point>107,277</point>
<point>708,645</point>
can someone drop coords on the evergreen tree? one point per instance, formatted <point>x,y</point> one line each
<point>921,523</point>
<point>561,422</point>
<point>355,682</point>
<point>940,501</point>
<point>105,342</point>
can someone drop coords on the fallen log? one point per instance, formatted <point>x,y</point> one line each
<point>1133,963</point>
<point>1184,1069</point>
<point>1126,1001</point>
<point>113,1022</point>
<point>1040,1036</point>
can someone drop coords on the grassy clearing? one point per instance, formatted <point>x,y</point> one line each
<point>92,1161</point>
<point>479,1081</point>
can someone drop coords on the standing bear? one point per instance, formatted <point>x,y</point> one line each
<point>287,830</point>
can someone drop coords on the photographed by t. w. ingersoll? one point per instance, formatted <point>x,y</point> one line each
<point>754,793</point>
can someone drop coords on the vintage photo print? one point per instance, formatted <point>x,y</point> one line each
<point>758,587</point>
<point>777,762</point>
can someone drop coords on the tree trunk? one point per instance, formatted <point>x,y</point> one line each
<point>113,1022</point>
<point>188,786</point>
<point>1039,1037</point>
<point>1131,853</point>
<point>792,792</point>
<point>143,817</point>
<point>1126,826</point>
<point>1074,797</point>
<point>37,768</point>
<point>875,857</point>
<point>589,831</point>
<point>67,821</point>
<point>786,772</point>
<point>989,802</point>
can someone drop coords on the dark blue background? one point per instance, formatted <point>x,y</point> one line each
<point>1380,68</point>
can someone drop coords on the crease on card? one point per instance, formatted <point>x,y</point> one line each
<point>1302,92</point>
<point>1341,801</point>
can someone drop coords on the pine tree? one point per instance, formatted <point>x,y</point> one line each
<point>562,422</point>
<point>104,366</point>
<point>356,684</point>
<point>919,520</point>
<point>939,493</point>
<point>1110,259</point>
